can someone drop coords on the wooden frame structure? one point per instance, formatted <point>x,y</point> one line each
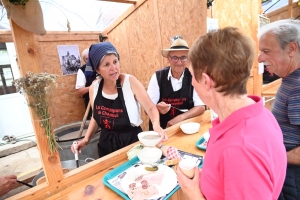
<point>139,34</point>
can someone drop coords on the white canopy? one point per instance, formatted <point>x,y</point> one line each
<point>272,5</point>
<point>92,15</point>
<point>83,15</point>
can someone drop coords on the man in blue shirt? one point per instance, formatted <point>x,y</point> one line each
<point>279,44</point>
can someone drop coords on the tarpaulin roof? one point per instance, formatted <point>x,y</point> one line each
<point>83,15</point>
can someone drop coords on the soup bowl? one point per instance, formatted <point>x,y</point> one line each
<point>149,138</point>
<point>190,127</point>
<point>149,155</point>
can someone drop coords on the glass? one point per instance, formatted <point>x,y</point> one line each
<point>175,59</point>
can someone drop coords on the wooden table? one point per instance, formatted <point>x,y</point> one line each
<point>74,183</point>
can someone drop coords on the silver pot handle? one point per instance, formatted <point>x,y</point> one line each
<point>91,159</point>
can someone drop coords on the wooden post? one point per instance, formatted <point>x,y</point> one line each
<point>290,9</point>
<point>257,78</point>
<point>28,61</point>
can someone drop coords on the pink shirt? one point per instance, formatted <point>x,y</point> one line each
<point>245,157</point>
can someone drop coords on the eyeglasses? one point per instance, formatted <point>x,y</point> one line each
<point>175,59</point>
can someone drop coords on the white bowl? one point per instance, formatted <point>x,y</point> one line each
<point>190,127</point>
<point>149,155</point>
<point>149,138</point>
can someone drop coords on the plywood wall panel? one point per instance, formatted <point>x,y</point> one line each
<point>187,18</point>
<point>67,106</point>
<point>119,39</point>
<point>233,13</point>
<point>144,48</point>
<point>140,37</point>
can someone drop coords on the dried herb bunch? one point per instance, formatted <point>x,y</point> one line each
<point>38,87</point>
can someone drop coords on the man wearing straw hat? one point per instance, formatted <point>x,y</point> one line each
<point>171,87</point>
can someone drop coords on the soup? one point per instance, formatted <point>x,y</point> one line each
<point>151,137</point>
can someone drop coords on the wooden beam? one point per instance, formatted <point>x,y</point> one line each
<point>130,10</point>
<point>65,37</point>
<point>282,9</point>
<point>290,9</point>
<point>28,61</point>
<point>257,78</point>
<point>272,84</point>
<point>5,36</point>
<point>122,1</point>
<point>271,92</point>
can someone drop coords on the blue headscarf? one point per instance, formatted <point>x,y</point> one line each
<point>98,51</point>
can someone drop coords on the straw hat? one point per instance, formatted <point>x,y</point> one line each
<point>28,17</point>
<point>178,45</point>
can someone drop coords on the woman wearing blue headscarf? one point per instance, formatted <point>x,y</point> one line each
<point>115,100</point>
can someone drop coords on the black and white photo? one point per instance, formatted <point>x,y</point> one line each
<point>69,58</point>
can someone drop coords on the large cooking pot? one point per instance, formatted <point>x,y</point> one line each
<point>67,164</point>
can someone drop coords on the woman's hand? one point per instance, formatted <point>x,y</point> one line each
<point>7,183</point>
<point>191,187</point>
<point>80,144</point>
<point>157,128</point>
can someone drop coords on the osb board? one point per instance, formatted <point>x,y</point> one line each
<point>233,13</point>
<point>118,37</point>
<point>67,106</point>
<point>187,18</point>
<point>144,48</point>
<point>138,41</point>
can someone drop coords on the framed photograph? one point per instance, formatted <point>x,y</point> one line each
<point>69,58</point>
<point>262,20</point>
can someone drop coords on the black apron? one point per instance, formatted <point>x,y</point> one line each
<point>182,99</point>
<point>112,117</point>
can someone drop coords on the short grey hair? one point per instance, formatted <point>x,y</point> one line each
<point>285,31</point>
<point>108,53</point>
<point>85,52</point>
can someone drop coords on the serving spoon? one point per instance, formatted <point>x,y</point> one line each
<point>182,110</point>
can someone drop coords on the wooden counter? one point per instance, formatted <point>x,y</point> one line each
<point>270,90</point>
<point>73,184</point>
